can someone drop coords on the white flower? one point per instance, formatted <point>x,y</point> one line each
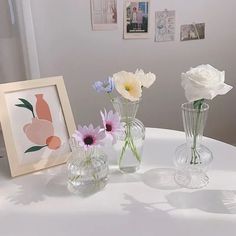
<point>204,82</point>
<point>146,79</point>
<point>128,85</point>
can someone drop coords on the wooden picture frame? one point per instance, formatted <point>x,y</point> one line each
<point>37,122</point>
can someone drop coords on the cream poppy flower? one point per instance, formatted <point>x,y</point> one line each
<point>127,85</point>
<point>146,79</point>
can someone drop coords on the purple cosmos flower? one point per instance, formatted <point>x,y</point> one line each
<point>112,124</point>
<point>106,86</point>
<point>88,136</point>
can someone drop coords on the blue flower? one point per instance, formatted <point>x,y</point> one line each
<point>106,86</point>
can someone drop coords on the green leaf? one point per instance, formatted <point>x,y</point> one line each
<point>21,105</point>
<point>24,106</point>
<point>35,148</point>
<point>27,104</point>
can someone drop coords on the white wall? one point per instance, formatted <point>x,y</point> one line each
<point>11,61</point>
<point>67,46</point>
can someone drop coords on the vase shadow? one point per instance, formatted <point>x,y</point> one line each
<point>212,201</point>
<point>160,178</point>
<point>116,176</point>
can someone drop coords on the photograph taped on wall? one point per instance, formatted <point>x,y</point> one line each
<point>136,19</point>
<point>104,14</point>
<point>192,31</point>
<point>165,26</point>
<point>37,123</point>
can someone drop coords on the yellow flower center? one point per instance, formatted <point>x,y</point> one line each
<point>128,87</point>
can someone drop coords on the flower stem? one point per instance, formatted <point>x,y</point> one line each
<point>110,96</point>
<point>129,142</point>
<point>194,153</point>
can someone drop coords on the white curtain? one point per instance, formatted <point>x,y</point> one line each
<point>11,59</point>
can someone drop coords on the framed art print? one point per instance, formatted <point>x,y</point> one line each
<point>136,19</point>
<point>37,123</point>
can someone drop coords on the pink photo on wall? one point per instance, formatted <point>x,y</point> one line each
<point>36,122</point>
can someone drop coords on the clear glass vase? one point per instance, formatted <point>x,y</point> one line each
<point>192,159</point>
<point>87,169</point>
<point>129,145</point>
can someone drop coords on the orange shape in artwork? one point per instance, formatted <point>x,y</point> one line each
<point>42,108</point>
<point>38,131</point>
<point>53,142</point>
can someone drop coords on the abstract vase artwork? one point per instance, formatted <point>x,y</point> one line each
<point>40,131</point>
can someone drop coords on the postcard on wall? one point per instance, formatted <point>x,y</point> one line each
<point>136,19</point>
<point>192,31</point>
<point>104,14</point>
<point>165,26</point>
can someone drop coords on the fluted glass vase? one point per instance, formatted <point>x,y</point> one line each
<point>129,145</point>
<point>192,159</point>
<point>87,169</point>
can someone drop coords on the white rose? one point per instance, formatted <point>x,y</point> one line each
<point>146,79</point>
<point>204,82</point>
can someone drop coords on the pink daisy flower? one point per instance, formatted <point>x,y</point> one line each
<point>88,136</point>
<point>112,124</point>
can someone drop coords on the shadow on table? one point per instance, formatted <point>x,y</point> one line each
<point>135,217</point>
<point>53,182</point>
<point>116,176</point>
<point>160,178</point>
<point>213,201</point>
<point>149,212</point>
<point>35,187</point>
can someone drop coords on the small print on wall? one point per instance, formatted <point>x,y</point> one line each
<point>104,14</point>
<point>192,32</point>
<point>136,19</point>
<point>37,122</point>
<point>165,26</point>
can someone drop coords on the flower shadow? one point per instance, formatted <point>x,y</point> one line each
<point>212,201</point>
<point>139,210</point>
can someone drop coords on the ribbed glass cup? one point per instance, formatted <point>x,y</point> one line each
<point>194,122</point>
<point>192,158</point>
<point>129,145</point>
<point>87,169</point>
<point>126,109</point>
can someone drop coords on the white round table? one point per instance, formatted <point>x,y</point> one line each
<point>147,203</point>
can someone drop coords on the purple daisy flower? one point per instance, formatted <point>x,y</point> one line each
<point>106,86</point>
<point>112,124</point>
<point>88,136</point>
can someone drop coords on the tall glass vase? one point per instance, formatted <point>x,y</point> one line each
<point>129,145</point>
<point>192,158</point>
